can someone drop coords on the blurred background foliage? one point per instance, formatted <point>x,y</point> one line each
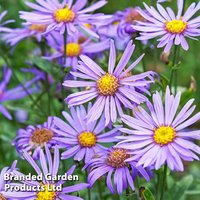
<point>188,83</point>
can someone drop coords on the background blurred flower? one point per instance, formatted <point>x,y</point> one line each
<point>112,163</point>
<point>15,93</point>
<point>76,45</point>
<point>159,137</point>
<point>47,166</point>
<point>130,17</point>
<point>33,139</point>
<point>2,24</point>
<point>14,36</point>
<point>64,16</point>
<point>5,170</point>
<point>111,89</point>
<point>81,138</point>
<point>172,29</point>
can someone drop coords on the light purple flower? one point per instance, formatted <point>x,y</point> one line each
<point>171,28</point>
<point>2,24</point>
<point>76,45</point>
<point>32,139</point>
<point>5,170</point>
<point>129,17</point>
<point>110,30</point>
<point>159,137</point>
<point>14,36</point>
<point>111,163</point>
<point>64,16</point>
<point>82,139</point>
<point>15,93</point>
<point>111,89</point>
<point>47,166</point>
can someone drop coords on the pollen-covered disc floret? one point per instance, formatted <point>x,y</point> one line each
<point>40,136</point>
<point>2,197</point>
<point>107,85</point>
<point>64,15</point>
<point>176,26</point>
<point>47,194</point>
<point>117,157</point>
<point>87,139</point>
<point>38,27</point>
<point>73,49</point>
<point>164,135</point>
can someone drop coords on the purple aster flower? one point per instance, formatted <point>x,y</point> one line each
<point>32,139</point>
<point>5,170</point>
<point>47,166</point>
<point>159,136</point>
<point>82,139</point>
<point>112,164</point>
<point>14,36</point>
<point>76,45</point>
<point>2,15</point>
<point>64,16</point>
<point>15,93</point>
<point>110,30</point>
<point>111,89</point>
<point>172,29</point>
<point>129,17</point>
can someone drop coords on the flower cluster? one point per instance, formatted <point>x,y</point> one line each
<point>92,103</point>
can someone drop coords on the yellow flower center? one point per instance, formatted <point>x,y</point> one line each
<point>2,197</point>
<point>64,15</point>
<point>115,23</point>
<point>40,136</point>
<point>133,15</point>
<point>107,85</point>
<point>38,27</point>
<point>117,157</point>
<point>47,194</point>
<point>164,135</point>
<point>176,26</point>
<point>89,26</point>
<point>87,139</point>
<point>73,49</point>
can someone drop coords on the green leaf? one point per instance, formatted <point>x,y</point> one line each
<point>45,65</point>
<point>147,194</point>
<point>179,189</point>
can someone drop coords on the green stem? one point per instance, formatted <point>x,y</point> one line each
<point>163,182</point>
<point>100,190</point>
<point>127,194</point>
<point>24,88</point>
<point>65,46</point>
<point>137,188</point>
<point>48,93</point>
<point>173,70</point>
<point>88,190</point>
<point>143,60</point>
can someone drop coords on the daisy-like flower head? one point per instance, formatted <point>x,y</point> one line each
<point>2,24</point>
<point>172,29</point>
<point>110,30</point>
<point>5,170</point>
<point>47,166</point>
<point>112,164</point>
<point>60,16</point>
<point>130,16</point>
<point>111,89</point>
<point>159,137</point>
<point>76,45</point>
<point>14,36</point>
<point>15,93</point>
<point>82,139</point>
<point>33,139</point>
